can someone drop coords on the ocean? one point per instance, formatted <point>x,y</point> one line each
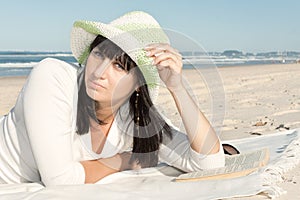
<point>20,63</point>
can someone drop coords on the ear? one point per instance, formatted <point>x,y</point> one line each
<point>137,89</point>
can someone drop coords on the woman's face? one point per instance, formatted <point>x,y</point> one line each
<point>107,81</point>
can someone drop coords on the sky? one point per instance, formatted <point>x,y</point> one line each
<point>214,25</point>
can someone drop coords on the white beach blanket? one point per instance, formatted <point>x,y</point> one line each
<point>157,183</point>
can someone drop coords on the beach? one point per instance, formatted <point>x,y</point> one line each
<point>252,101</point>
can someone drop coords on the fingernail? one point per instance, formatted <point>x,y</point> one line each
<point>153,62</point>
<point>148,53</point>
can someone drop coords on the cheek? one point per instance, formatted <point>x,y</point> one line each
<point>86,77</point>
<point>127,83</point>
<point>124,87</point>
<point>90,92</point>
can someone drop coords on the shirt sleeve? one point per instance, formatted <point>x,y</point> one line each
<point>48,104</point>
<point>177,152</point>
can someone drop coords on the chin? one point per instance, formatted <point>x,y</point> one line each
<point>92,94</point>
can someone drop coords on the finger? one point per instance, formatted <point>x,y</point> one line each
<point>160,47</point>
<point>177,61</point>
<point>155,45</point>
<point>161,67</point>
<point>167,64</point>
<point>155,52</point>
<point>165,56</point>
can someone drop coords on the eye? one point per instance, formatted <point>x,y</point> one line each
<point>119,66</point>
<point>98,54</point>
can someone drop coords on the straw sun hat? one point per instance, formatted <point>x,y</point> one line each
<point>131,32</point>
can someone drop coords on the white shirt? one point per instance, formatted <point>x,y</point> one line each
<point>38,139</point>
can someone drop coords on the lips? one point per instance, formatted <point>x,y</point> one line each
<point>96,85</point>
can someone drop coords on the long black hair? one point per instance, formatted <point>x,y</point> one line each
<point>149,126</point>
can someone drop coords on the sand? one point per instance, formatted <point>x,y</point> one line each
<point>252,100</point>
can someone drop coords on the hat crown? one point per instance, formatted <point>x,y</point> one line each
<point>134,17</point>
<point>141,26</point>
<point>134,21</point>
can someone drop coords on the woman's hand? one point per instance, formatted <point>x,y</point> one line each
<point>100,168</point>
<point>201,134</point>
<point>169,64</point>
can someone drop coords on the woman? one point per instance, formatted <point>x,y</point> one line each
<point>75,125</point>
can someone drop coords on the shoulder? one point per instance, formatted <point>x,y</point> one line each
<point>53,74</point>
<point>52,66</point>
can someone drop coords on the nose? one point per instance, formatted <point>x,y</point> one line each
<point>102,69</point>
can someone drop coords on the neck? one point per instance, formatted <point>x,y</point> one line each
<point>104,113</point>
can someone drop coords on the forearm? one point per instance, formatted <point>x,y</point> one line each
<point>201,134</point>
<point>95,170</point>
<point>169,64</point>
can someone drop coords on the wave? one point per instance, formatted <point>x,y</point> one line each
<point>18,65</point>
<point>31,59</point>
<point>37,55</point>
<point>17,69</point>
<point>33,52</point>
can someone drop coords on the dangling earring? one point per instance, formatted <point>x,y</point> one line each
<point>137,114</point>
